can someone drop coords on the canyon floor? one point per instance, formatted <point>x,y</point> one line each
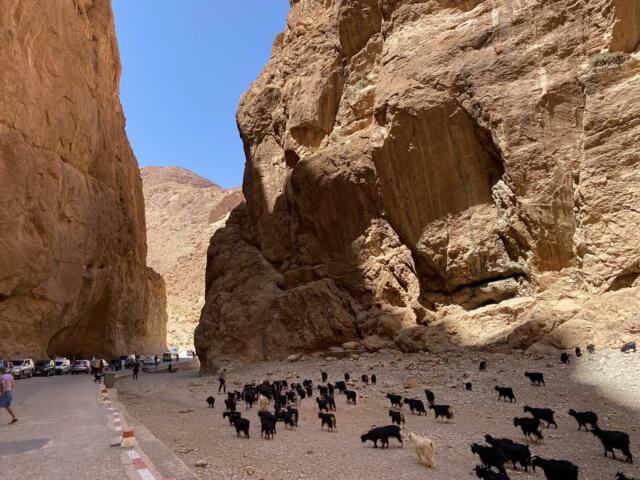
<point>173,407</point>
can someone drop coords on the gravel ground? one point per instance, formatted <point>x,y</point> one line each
<point>173,407</point>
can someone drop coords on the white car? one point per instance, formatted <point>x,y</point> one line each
<point>63,366</point>
<point>22,368</point>
<point>149,360</point>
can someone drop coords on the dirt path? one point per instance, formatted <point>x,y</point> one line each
<point>173,407</point>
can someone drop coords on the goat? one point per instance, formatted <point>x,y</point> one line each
<point>584,418</point>
<point>295,413</point>
<point>622,476</point>
<point>556,469</point>
<point>263,403</point>
<point>490,456</point>
<point>331,389</point>
<point>515,452</point>
<point>267,424</point>
<point>324,377</point>
<point>323,391</point>
<point>485,473</point>
<point>425,450</point>
<point>250,398</point>
<point>288,417</point>
<point>322,405</point>
<point>415,405</point>
<point>230,403</point>
<point>347,377</point>
<point>396,417</point>
<point>442,411</point>
<point>382,434</point>
<point>629,346</point>
<point>328,419</point>
<point>231,416</point>
<point>468,386</point>
<point>374,379</point>
<point>564,358</point>
<point>211,401</point>
<point>545,414</point>
<point>578,351</point>
<point>535,377</point>
<point>331,403</point>
<point>483,366</point>
<point>430,397</point>
<point>611,440</point>
<point>591,348</point>
<point>505,392</point>
<point>396,400</point>
<point>529,426</point>
<point>351,396</point>
<point>365,379</point>
<point>341,386</point>
<point>242,426</point>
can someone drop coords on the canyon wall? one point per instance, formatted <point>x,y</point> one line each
<point>183,211</point>
<point>433,174</point>
<point>73,275</point>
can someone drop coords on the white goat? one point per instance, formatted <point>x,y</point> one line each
<point>425,450</point>
<point>263,403</point>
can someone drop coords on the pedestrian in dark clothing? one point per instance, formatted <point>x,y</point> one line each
<point>155,360</point>
<point>136,370</point>
<point>222,377</point>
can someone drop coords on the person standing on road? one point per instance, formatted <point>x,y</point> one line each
<point>136,370</point>
<point>155,360</point>
<point>222,377</point>
<point>7,384</point>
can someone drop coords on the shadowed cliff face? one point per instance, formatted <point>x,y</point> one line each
<point>436,173</point>
<point>73,278</point>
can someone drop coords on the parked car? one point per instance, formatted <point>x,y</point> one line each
<point>45,368</point>
<point>81,366</point>
<point>149,360</point>
<point>22,368</point>
<point>129,360</point>
<point>170,357</point>
<point>63,366</point>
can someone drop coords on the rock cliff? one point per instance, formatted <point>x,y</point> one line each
<point>183,210</point>
<point>73,277</point>
<point>435,173</point>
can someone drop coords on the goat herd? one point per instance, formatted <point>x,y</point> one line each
<point>494,455</point>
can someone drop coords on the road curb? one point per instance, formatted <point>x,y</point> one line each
<point>143,454</point>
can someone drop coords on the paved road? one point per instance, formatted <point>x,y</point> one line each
<point>63,433</point>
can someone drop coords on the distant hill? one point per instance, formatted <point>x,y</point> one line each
<point>183,211</point>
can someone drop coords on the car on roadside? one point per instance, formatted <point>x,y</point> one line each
<point>149,360</point>
<point>81,366</point>
<point>45,368</point>
<point>63,366</point>
<point>170,357</point>
<point>128,360</point>
<point>22,368</point>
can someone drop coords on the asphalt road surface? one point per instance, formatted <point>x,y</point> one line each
<point>62,432</point>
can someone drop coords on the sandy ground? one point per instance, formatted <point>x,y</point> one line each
<point>173,407</point>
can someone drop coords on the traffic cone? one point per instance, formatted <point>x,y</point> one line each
<point>128,439</point>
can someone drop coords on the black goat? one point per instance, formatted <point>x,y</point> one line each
<point>506,393</point>
<point>396,417</point>
<point>415,405</point>
<point>351,396</point>
<point>267,424</point>
<point>323,391</point>
<point>231,416</point>
<point>529,426</point>
<point>295,413</point>
<point>483,366</point>
<point>578,352</point>
<point>331,389</point>
<point>629,346</point>
<point>430,397</point>
<point>242,426</point>
<point>468,386</point>
<point>536,378</point>
<point>490,456</point>
<point>564,358</point>
<point>374,379</point>
<point>211,401</point>
<point>347,377</point>
<point>230,403</point>
<point>591,348</point>
<point>556,469</point>
<point>365,379</point>
<point>584,418</point>
<point>328,419</point>
<point>442,411</point>
<point>331,403</point>
<point>622,476</point>
<point>545,414</point>
<point>614,440</point>
<point>396,400</point>
<point>341,386</point>
<point>485,473</point>
<point>289,418</point>
<point>322,405</point>
<point>515,452</point>
<point>324,377</point>
<point>382,434</point>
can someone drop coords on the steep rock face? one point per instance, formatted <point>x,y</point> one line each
<point>73,278</point>
<point>183,210</point>
<point>435,173</point>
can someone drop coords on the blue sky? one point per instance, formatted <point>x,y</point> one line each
<point>185,65</point>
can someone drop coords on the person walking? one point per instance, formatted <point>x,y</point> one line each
<point>155,360</point>
<point>222,378</point>
<point>7,384</point>
<point>136,370</point>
